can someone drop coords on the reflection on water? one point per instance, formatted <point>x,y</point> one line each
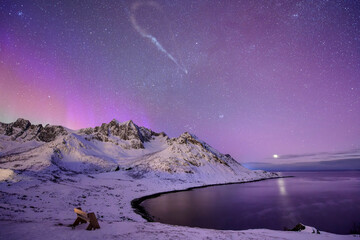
<point>326,200</point>
<point>285,209</point>
<point>282,187</point>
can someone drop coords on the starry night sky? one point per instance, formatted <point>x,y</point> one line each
<point>251,78</point>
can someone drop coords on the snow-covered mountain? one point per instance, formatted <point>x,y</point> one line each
<point>115,146</point>
<point>47,171</point>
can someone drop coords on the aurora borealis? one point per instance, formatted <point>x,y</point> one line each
<point>263,77</point>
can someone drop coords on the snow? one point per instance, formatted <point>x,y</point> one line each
<point>309,229</point>
<point>6,174</point>
<point>42,183</point>
<point>128,230</point>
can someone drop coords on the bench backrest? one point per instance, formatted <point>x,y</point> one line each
<point>86,217</point>
<point>81,214</point>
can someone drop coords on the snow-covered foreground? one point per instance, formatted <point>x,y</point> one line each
<point>45,172</point>
<point>41,207</point>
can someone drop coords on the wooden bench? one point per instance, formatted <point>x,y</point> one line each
<point>83,217</point>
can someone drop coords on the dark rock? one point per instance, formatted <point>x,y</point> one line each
<point>186,138</point>
<point>298,227</point>
<point>9,130</point>
<point>87,131</point>
<point>22,123</point>
<point>49,133</point>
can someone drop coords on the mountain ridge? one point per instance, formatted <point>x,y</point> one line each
<point>113,146</point>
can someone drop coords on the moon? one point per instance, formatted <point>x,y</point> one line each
<point>275,156</point>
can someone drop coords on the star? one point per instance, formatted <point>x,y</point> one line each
<point>275,69</point>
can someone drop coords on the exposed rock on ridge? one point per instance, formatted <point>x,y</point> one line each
<point>24,130</point>
<point>128,131</point>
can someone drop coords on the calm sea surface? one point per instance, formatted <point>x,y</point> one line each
<point>329,201</point>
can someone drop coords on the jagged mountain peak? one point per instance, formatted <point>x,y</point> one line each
<point>114,121</point>
<point>130,123</point>
<point>127,131</point>
<point>127,123</point>
<point>23,130</point>
<point>187,137</point>
<point>21,123</point>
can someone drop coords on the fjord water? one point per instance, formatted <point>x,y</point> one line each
<point>329,201</point>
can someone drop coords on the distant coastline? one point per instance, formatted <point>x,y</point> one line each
<point>329,165</point>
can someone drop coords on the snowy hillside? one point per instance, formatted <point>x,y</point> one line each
<point>112,146</point>
<point>47,171</point>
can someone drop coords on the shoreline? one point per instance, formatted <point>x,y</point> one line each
<point>140,210</point>
<point>33,201</point>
